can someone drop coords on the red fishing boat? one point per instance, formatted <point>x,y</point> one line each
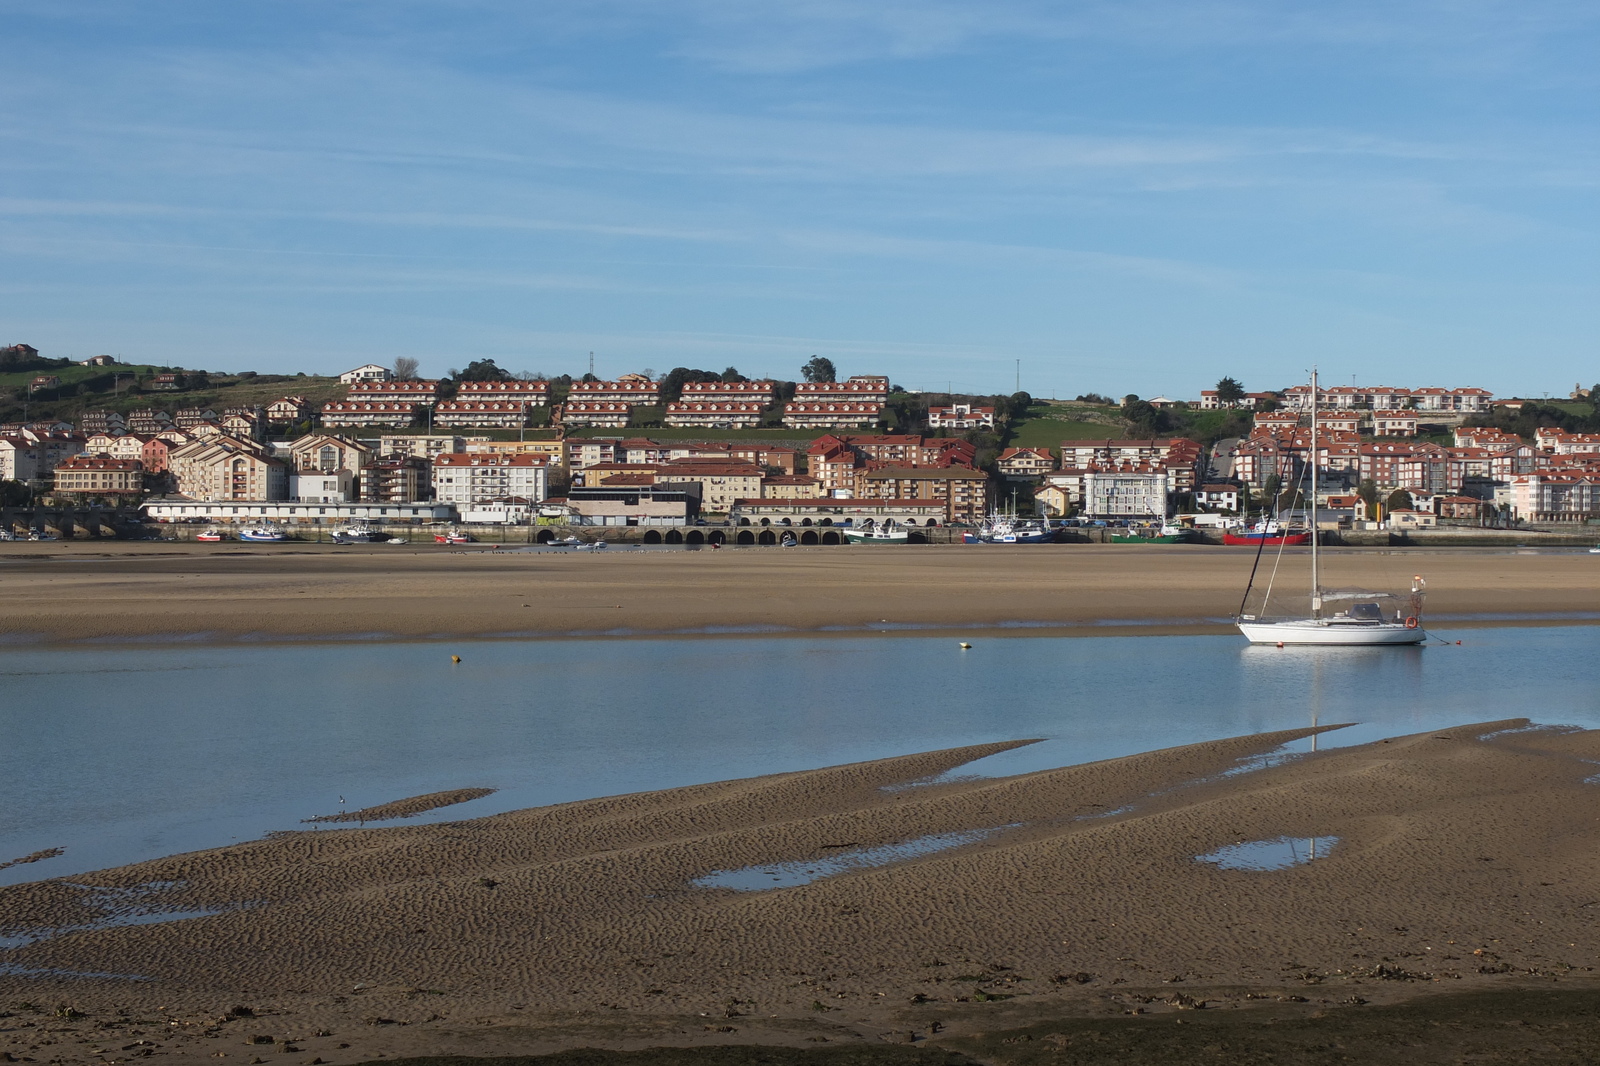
<point>1266,532</point>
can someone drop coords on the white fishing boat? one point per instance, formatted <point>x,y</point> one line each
<point>359,533</point>
<point>887,533</point>
<point>1344,617</point>
<point>266,533</point>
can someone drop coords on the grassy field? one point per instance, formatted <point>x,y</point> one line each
<point>1047,425</point>
<point>100,384</point>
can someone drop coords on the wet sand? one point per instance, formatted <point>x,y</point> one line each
<point>1465,859</point>
<point>82,590</point>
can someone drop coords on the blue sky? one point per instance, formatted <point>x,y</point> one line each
<point>1139,195</point>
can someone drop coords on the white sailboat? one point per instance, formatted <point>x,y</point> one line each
<point>1352,618</point>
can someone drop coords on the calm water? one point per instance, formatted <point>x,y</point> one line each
<point>118,754</point>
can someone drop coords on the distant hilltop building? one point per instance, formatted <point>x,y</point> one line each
<point>630,388</point>
<point>1386,398</point>
<point>18,353</point>
<point>370,372</point>
<point>532,393</point>
<point>424,392</point>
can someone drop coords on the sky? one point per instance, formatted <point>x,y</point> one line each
<point>1130,196</point>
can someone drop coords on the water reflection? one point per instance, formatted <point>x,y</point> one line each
<point>119,754</point>
<point>1279,853</point>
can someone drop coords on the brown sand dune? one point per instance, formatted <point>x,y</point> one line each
<point>74,590</point>
<point>1462,855</point>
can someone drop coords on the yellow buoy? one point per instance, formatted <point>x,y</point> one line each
<point>455,658</point>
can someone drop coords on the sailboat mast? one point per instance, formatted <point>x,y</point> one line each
<point>1316,587</point>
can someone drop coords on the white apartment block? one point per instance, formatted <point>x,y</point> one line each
<point>832,414</point>
<point>721,413</point>
<point>465,478</point>
<point>1388,398</point>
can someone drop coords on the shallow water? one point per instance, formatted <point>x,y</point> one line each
<point>120,754</point>
<point>791,874</point>
<point>1277,854</point>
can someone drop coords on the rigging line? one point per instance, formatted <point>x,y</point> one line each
<point>1283,541</point>
<point>1261,546</point>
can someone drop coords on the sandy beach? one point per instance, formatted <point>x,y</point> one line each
<point>1449,861</point>
<point>83,590</point>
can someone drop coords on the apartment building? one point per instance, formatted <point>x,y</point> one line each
<point>757,392</point>
<point>965,491</point>
<point>327,453</point>
<point>99,475</point>
<point>721,483</point>
<point>732,414</point>
<point>1388,398</point>
<point>421,393</point>
<point>1394,424</point>
<point>228,468</point>
<point>531,393</point>
<point>960,416</point>
<point>464,478</point>
<point>1026,462</point>
<point>790,487</point>
<point>614,414</point>
<point>288,410</point>
<point>864,387</point>
<point>635,391</point>
<point>425,445</point>
<point>832,414</point>
<point>502,414</point>
<point>368,413</point>
<point>396,479</point>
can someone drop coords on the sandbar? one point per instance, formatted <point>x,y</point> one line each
<point>70,591</point>
<point>1449,860</point>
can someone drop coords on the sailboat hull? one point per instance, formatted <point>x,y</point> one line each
<point>1324,632</point>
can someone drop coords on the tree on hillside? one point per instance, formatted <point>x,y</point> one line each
<point>819,368</point>
<point>674,380</point>
<point>405,368</point>
<point>1229,391</point>
<point>480,370</point>
<point>732,375</point>
<point>1399,500</point>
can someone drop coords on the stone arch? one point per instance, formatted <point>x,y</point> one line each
<point>826,522</point>
<point>766,521</point>
<point>830,537</point>
<point>809,537</point>
<point>715,537</point>
<point>674,537</point>
<point>652,536</point>
<point>744,521</point>
<point>805,521</point>
<point>747,537</point>
<point>767,537</point>
<point>788,522</point>
<point>694,536</point>
<point>545,536</point>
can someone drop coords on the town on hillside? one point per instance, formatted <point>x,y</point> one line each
<point>484,446</point>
